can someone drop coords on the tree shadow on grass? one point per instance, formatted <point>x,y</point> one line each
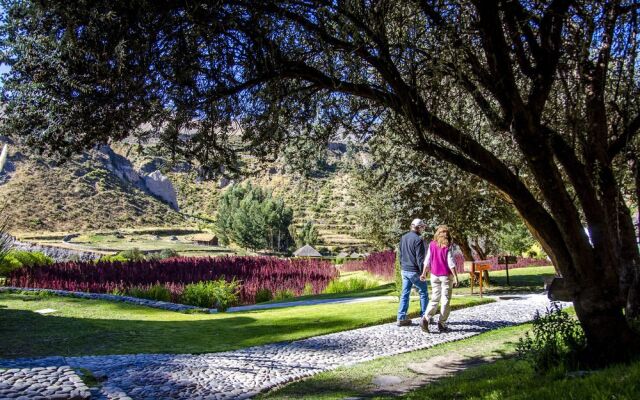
<point>28,334</point>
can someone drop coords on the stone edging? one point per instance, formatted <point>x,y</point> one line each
<point>112,297</point>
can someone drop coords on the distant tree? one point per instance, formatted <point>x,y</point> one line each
<point>308,234</point>
<point>253,219</point>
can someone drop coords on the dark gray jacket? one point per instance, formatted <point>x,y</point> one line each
<point>412,252</point>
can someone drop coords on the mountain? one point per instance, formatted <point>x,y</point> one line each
<point>126,186</point>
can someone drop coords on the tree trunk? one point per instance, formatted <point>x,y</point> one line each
<point>609,336</point>
<point>466,250</point>
<point>478,249</point>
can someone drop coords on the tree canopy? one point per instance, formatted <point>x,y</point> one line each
<point>538,98</point>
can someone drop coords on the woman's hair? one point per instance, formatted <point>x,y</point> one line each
<point>445,240</point>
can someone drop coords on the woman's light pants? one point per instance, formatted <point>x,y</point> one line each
<point>441,289</point>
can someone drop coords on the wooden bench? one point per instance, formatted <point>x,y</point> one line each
<point>476,271</point>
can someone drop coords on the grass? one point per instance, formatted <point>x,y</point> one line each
<point>506,378</point>
<point>125,328</point>
<point>521,280</point>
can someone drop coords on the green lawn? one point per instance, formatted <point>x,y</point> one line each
<point>506,378</point>
<point>521,280</point>
<point>83,327</point>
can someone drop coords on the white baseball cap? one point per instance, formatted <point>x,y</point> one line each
<point>418,222</point>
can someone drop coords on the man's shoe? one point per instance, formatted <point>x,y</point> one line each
<point>404,322</point>
<point>442,327</point>
<point>424,325</point>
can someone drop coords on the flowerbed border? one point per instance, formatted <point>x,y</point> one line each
<point>163,305</point>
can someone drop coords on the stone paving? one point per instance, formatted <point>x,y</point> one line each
<point>242,373</point>
<point>42,383</point>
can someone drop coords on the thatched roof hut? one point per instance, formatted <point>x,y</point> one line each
<point>206,239</point>
<point>306,251</point>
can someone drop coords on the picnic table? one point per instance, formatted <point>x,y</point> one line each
<point>476,271</point>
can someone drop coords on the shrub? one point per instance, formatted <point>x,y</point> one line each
<point>308,289</point>
<point>218,294</point>
<point>112,258</point>
<point>132,255</point>
<point>283,294</point>
<point>555,341</point>
<point>154,292</point>
<point>263,295</point>
<point>168,253</point>
<point>16,259</point>
<point>161,255</point>
<point>351,285</point>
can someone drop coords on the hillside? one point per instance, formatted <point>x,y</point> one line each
<point>82,194</point>
<point>104,189</point>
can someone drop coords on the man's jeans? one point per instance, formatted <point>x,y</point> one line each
<point>408,280</point>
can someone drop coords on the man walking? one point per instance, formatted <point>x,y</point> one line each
<point>412,254</point>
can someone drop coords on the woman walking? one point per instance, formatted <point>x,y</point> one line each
<point>440,262</point>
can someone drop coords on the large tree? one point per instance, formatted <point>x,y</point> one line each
<point>394,185</point>
<point>538,98</point>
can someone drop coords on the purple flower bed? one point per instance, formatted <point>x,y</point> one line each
<point>380,264</point>
<point>254,273</point>
<point>523,262</point>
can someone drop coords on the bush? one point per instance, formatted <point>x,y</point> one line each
<point>161,255</point>
<point>218,294</point>
<point>556,340</point>
<point>283,294</point>
<point>16,259</point>
<point>351,285</point>
<point>168,253</point>
<point>132,255</point>
<point>308,289</point>
<point>263,295</point>
<point>155,292</point>
<point>112,258</point>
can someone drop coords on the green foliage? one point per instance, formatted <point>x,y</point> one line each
<point>253,218</point>
<point>15,259</point>
<point>218,294</point>
<point>162,254</point>
<point>308,234</point>
<point>351,285</point>
<point>155,292</point>
<point>263,294</point>
<point>113,258</point>
<point>283,294</point>
<point>339,261</point>
<point>515,238</point>
<point>308,290</point>
<point>126,255</point>
<point>133,254</point>
<point>555,341</point>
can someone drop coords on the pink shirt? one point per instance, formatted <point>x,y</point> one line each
<point>439,259</point>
